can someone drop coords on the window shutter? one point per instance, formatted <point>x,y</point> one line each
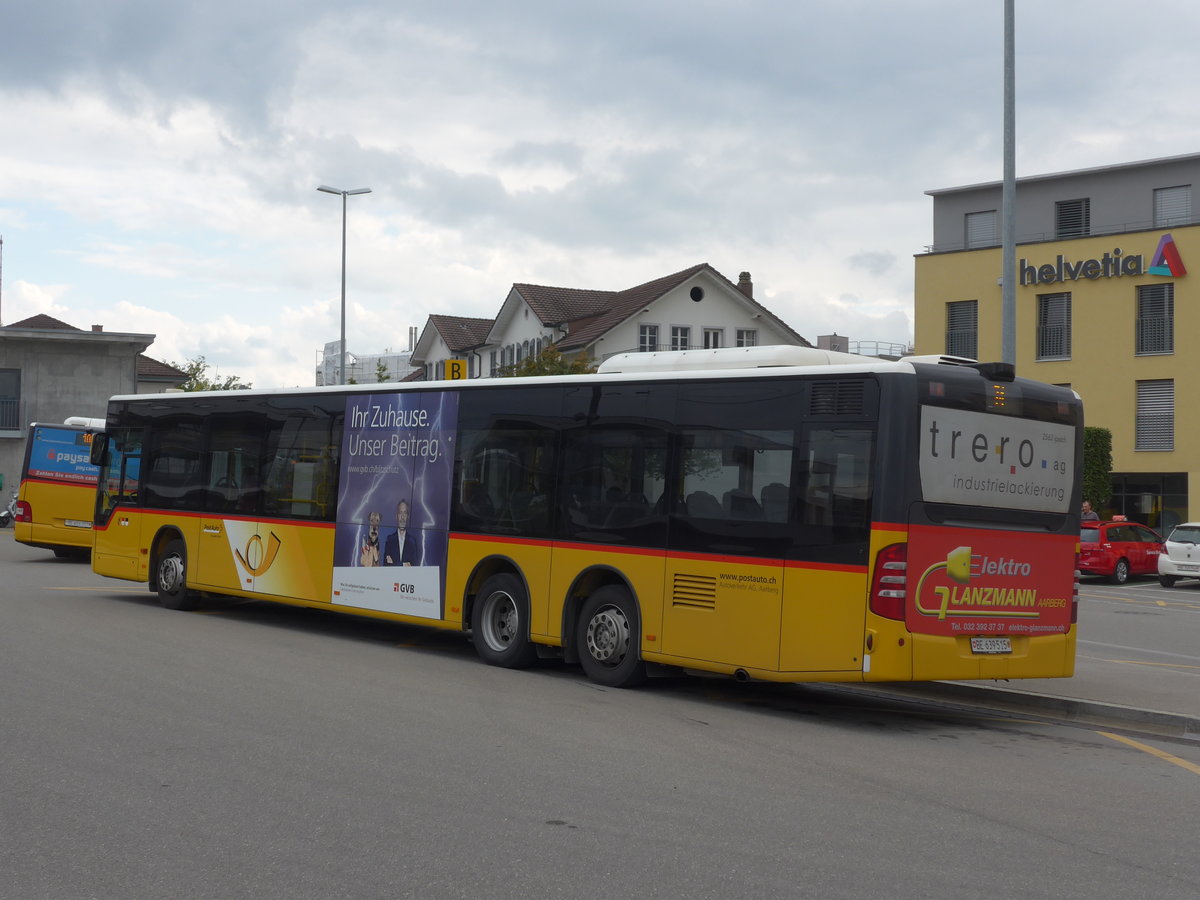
<point>1073,218</point>
<point>981,229</point>
<point>1155,423</point>
<point>1054,326</point>
<point>1172,206</point>
<point>962,328</point>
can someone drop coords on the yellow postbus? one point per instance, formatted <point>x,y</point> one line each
<point>776,513</point>
<point>57,495</point>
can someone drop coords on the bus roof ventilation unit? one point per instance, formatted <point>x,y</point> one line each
<point>934,359</point>
<point>728,358</point>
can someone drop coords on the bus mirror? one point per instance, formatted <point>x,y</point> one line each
<point>99,445</point>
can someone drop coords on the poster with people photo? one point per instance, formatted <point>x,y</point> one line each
<point>393,513</point>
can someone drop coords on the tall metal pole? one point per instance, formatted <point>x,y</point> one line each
<point>342,345</point>
<point>1008,276</point>
<point>342,349</point>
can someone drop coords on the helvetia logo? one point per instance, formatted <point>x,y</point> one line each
<point>1166,259</point>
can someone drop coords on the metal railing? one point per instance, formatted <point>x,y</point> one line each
<point>10,414</point>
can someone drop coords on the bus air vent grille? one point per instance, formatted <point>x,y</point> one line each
<point>837,398</point>
<point>695,591</point>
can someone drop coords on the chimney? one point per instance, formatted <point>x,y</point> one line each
<point>745,285</point>
<point>97,328</point>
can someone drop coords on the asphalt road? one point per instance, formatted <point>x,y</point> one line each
<point>254,750</point>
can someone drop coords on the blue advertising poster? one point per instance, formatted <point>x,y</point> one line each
<point>393,514</point>
<point>61,454</point>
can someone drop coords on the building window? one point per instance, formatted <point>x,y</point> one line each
<point>10,399</point>
<point>1054,326</point>
<point>747,337</point>
<point>962,328</point>
<point>1156,318</point>
<point>981,229</point>
<point>1073,218</point>
<point>1172,206</point>
<point>681,337</point>
<point>712,338</point>
<point>492,365</point>
<point>1155,423</point>
<point>647,338</point>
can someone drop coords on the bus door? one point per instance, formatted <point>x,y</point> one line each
<point>230,547</point>
<point>826,580</point>
<point>118,536</point>
<point>729,530</point>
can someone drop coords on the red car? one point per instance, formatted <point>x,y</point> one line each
<point>1118,549</point>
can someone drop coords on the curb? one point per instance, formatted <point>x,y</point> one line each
<point>1090,712</point>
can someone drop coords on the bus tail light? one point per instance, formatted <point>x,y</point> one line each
<point>1075,592</point>
<point>890,583</point>
<point>23,512</point>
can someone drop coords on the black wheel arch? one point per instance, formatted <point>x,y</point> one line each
<point>497,564</point>
<point>165,535</point>
<point>585,584</point>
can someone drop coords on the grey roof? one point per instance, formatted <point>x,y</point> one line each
<point>590,314</point>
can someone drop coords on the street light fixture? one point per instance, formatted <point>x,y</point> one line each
<point>342,349</point>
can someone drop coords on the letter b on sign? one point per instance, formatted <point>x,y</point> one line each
<point>456,369</point>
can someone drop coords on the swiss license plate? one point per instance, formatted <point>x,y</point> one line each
<point>991,645</point>
<point>1182,567</point>
<point>77,523</point>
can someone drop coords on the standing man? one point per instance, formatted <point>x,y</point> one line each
<point>400,548</point>
<point>1087,514</point>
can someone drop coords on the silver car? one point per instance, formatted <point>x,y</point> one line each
<point>1181,554</point>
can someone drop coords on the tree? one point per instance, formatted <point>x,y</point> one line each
<point>1097,466</point>
<point>381,371</point>
<point>198,380</point>
<point>549,362</point>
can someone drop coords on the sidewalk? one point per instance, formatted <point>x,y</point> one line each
<point>1152,698</point>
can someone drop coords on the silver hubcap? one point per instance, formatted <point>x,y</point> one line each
<point>608,636</point>
<point>170,574</point>
<point>499,620</point>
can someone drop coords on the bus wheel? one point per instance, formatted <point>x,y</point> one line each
<point>500,623</point>
<point>172,577</point>
<point>1120,573</point>
<point>607,638</point>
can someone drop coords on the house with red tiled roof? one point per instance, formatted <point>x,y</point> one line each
<point>695,308</point>
<point>50,370</point>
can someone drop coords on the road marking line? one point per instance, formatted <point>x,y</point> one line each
<point>1161,754</point>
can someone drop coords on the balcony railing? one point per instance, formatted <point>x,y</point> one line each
<point>1156,334</point>
<point>10,414</point>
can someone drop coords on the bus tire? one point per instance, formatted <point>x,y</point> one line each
<point>173,592</point>
<point>608,636</point>
<point>500,623</point>
<point>1120,573</point>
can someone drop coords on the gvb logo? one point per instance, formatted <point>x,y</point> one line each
<point>966,598</point>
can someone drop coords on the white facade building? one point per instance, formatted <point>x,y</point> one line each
<point>693,309</point>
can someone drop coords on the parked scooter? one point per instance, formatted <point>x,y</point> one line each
<point>10,512</point>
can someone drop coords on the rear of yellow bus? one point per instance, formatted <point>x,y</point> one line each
<point>57,494</point>
<point>975,548</point>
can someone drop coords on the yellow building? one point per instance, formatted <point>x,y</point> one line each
<point>1102,305</point>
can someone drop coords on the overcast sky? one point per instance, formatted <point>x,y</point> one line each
<point>159,160</point>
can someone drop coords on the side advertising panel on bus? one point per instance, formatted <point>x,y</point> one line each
<point>393,511</point>
<point>982,581</point>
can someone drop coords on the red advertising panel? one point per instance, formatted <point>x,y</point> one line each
<point>967,581</point>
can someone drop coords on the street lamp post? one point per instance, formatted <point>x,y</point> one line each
<point>342,348</point>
